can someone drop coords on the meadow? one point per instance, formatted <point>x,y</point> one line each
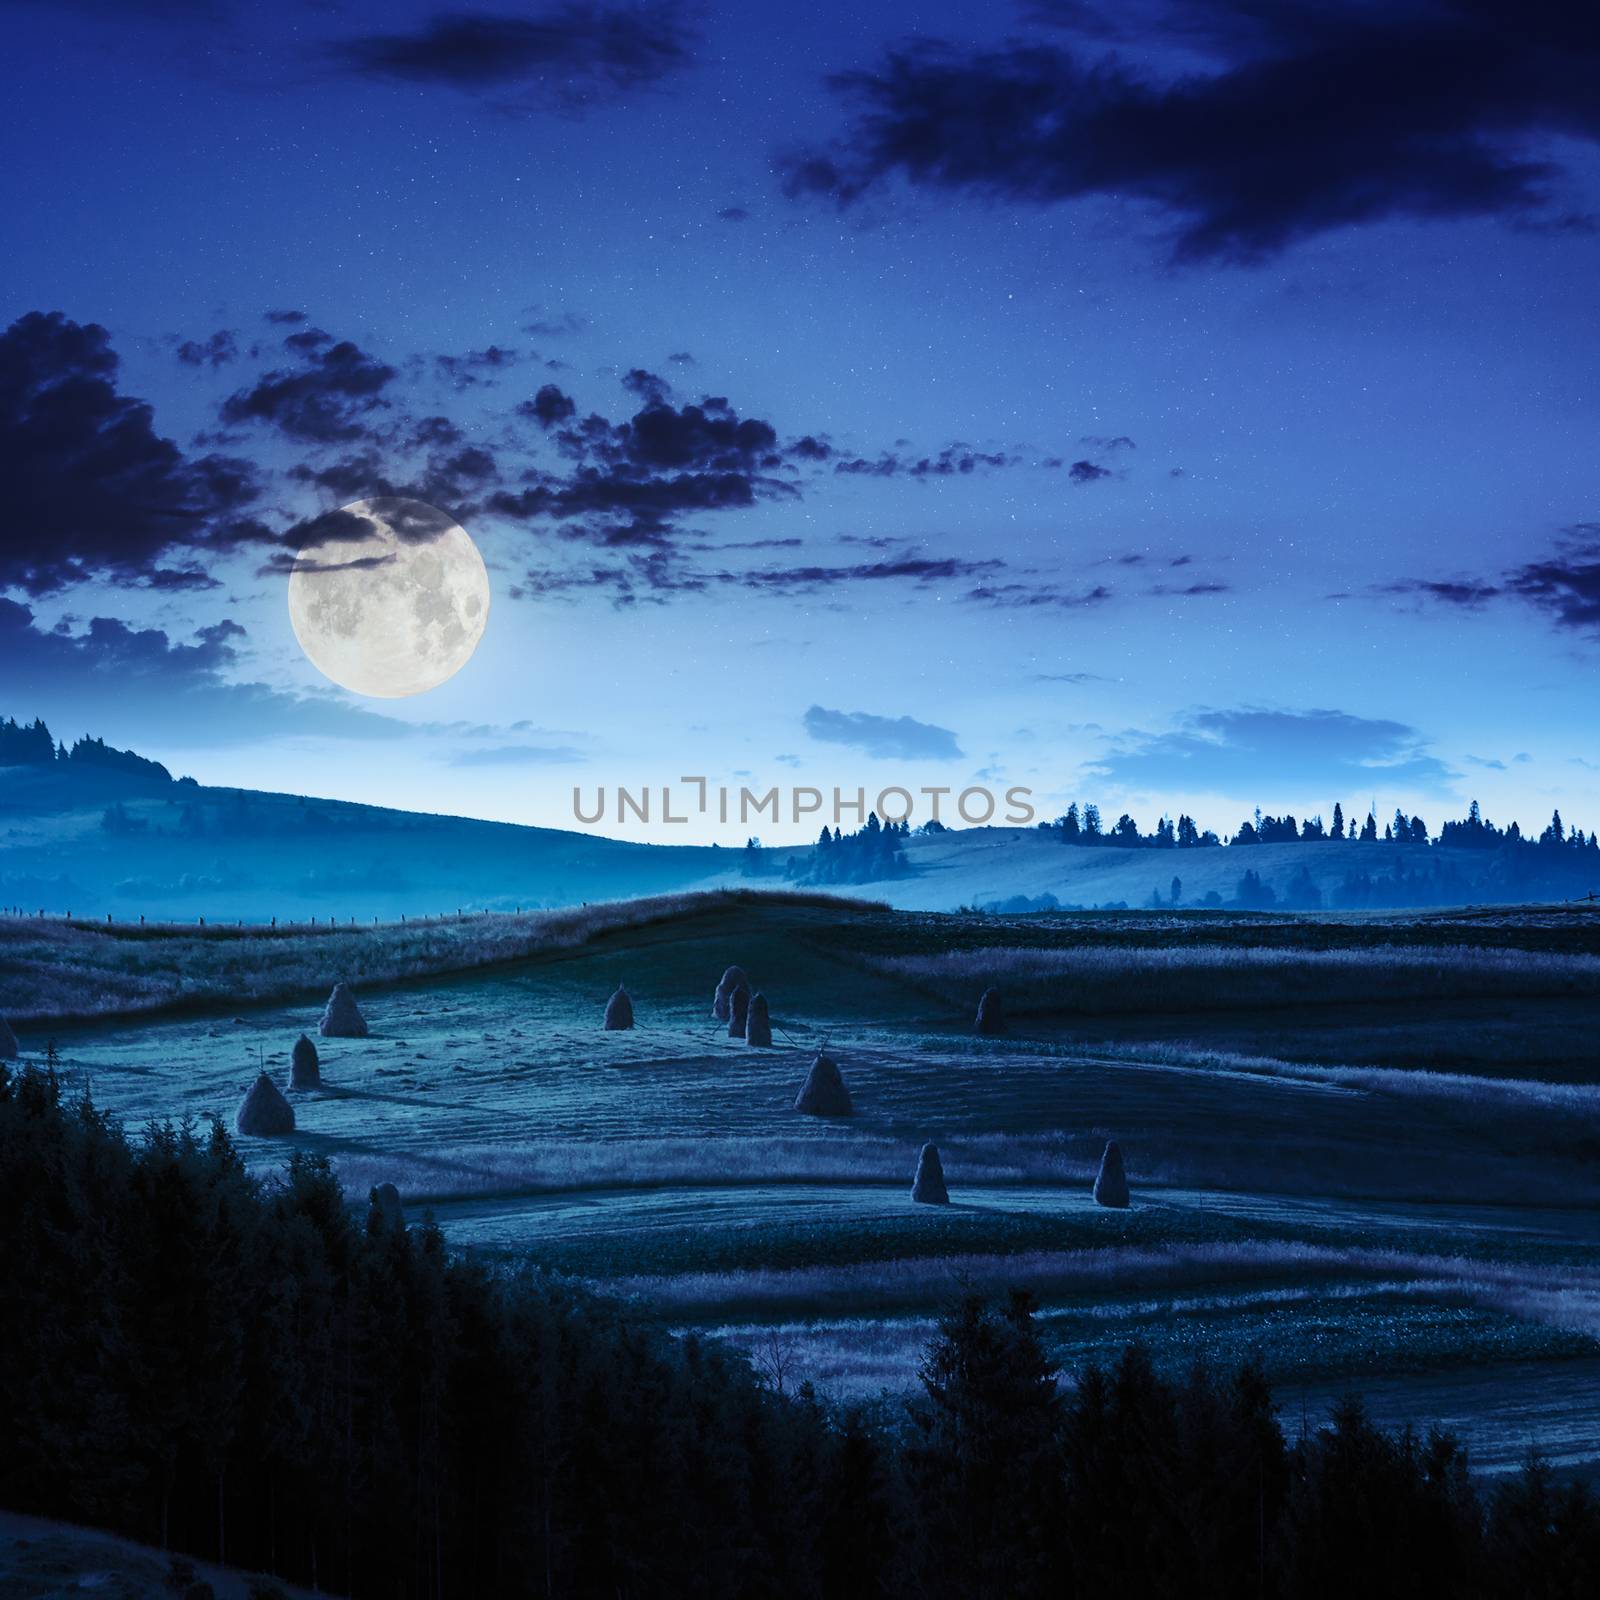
<point>1355,1219</point>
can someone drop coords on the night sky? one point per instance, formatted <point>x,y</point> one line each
<point>1182,408</point>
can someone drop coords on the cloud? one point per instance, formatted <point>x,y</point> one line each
<point>955,460</point>
<point>163,689</point>
<point>517,755</point>
<point>1564,586</point>
<point>566,55</point>
<point>92,488</point>
<point>217,351</point>
<point>476,368</point>
<point>1267,754</point>
<point>733,214</point>
<point>632,480</point>
<point>882,737</point>
<point>1081,472</point>
<point>1421,109</point>
<point>549,406</point>
<point>328,396</point>
<point>1035,596</point>
<point>919,570</point>
<point>647,385</point>
<point>545,324</point>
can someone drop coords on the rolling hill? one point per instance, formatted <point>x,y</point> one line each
<point>127,842</point>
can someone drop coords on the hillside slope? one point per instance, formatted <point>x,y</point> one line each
<point>99,841</point>
<point>114,843</point>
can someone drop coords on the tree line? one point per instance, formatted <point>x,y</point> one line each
<point>255,1371</point>
<point>33,745</point>
<point>1084,826</point>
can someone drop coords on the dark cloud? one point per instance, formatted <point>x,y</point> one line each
<point>631,481</point>
<point>1118,441</point>
<point>918,570</point>
<point>1250,751</point>
<point>284,317</point>
<point>1087,472</point>
<point>1563,586</point>
<point>568,55</point>
<point>1028,596</point>
<point>682,358</point>
<point>954,461</point>
<point>709,435</point>
<point>1192,589</point>
<point>217,351</point>
<point>646,385</point>
<point>1566,585</point>
<point>734,214</point>
<point>883,738</point>
<point>1419,108</point>
<point>624,507</point>
<point>92,488</point>
<point>548,407</point>
<point>328,397</point>
<point>476,368</point>
<point>176,580</point>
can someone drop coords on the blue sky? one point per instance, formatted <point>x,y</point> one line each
<point>1139,445</point>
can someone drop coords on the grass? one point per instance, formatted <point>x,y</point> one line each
<point>53,970</point>
<point>1188,977</point>
<point>1430,1217</point>
<point>1345,1335</point>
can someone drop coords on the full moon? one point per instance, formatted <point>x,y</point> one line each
<point>396,605</point>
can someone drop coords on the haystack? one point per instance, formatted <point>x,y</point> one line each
<point>738,1011</point>
<point>385,1200</point>
<point>8,1042</point>
<point>823,1094</point>
<point>343,1019</point>
<point>758,1024</point>
<point>264,1112</point>
<point>723,999</point>
<point>991,1014</point>
<point>1111,1186</point>
<point>619,1011</point>
<point>305,1070</point>
<point>928,1185</point>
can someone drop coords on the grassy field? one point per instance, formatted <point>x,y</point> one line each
<point>1355,1218</point>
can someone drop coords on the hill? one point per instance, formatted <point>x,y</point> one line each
<point>98,832</point>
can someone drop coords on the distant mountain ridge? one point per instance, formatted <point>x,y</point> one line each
<point>95,831</point>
